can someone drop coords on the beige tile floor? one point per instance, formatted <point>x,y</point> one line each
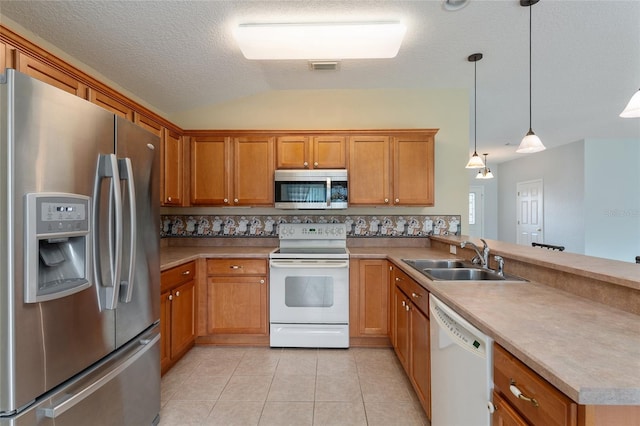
<point>264,386</point>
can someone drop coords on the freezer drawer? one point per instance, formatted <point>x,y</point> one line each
<point>122,390</point>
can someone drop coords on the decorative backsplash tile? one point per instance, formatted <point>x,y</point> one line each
<point>370,226</point>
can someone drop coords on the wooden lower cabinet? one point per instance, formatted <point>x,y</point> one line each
<point>369,302</point>
<point>237,302</point>
<point>177,313</point>
<point>411,334</point>
<point>504,414</point>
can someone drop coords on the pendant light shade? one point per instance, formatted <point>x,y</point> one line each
<point>530,143</point>
<point>475,162</point>
<point>633,107</point>
<point>485,172</point>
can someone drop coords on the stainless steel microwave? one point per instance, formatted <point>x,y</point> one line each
<point>311,189</point>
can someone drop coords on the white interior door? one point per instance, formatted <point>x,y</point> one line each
<point>529,226</point>
<point>476,211</point>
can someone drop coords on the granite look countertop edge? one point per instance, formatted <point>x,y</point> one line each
<point>594,358</point>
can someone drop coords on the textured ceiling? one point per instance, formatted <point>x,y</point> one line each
<point>179,55</point>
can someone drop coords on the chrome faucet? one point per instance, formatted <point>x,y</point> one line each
<point>481,258</point>
<point>500,261</point>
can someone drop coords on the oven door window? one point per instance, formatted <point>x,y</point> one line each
<point>308,292</point>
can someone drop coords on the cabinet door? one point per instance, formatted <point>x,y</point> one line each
<point>209,170</point>
<point>329,152</point>
<point>110,104</point>
<point>369,164</point>
<point>253,168</point>
<point>413,167</point>
<point>50,75</point>
<point>420,358</point>
<point>148,124</point>
<point>373,298</point>
<point>401,320</point>
<point>237,305</point>
<point>183,318</point>
<point>504,414</point>
<point>7,56</point>
<point>293,152</point>
<point>165,330</point>
<point>172,148</point>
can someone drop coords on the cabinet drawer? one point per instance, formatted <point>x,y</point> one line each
<point>178,275</point>
<point>418,295</point>
<point>551,407</point>
<point>236,266</point>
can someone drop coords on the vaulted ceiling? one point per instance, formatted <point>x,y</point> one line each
<point>180,55</point>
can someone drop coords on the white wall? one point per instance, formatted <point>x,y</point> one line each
<point>446,110</point>
<point>562,171</point>
<point>490,201</point>
<point>612,199</point>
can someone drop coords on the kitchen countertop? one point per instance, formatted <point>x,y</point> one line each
<point>588,350</point>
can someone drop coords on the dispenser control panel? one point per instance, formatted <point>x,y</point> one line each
<point>61,214</point>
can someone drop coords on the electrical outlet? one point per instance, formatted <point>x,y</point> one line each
<point>452,249</point>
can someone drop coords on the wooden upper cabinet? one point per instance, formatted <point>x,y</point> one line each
<point>173,168</point>
<point>253,169</point>
<point>210,161</point>
<point>413,171</point>
<point>311,152</point>
<point>148,124</point>
<point>7,56</point>
<point>369,170</point>
<point>110,104</point>
<point>43,72</point>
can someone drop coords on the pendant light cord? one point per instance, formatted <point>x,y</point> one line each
<point>530,27</point>
<point>475,107</point>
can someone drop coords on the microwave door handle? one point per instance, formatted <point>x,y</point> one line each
<point>108,169</point>
<point>328,192</point>
<point>126,174</point>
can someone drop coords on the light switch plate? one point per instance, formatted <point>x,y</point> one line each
<point>452,249</point>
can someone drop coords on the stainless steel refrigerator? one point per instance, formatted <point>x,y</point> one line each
<point>79,261</point>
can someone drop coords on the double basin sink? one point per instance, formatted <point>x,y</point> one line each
<point>456,270</point>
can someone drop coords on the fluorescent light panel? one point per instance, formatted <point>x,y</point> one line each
<point>347,40</point>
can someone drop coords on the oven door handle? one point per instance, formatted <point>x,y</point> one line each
<point>307,264</point>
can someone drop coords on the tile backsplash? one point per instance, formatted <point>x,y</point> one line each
<point>364,226</point>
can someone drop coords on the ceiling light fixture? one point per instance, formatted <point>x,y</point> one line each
<point>485,173</point>
<point>453,5</point>
<point>633,107</point>
<point>530,143</point>
<point>475,162</point>
<point>319,40</point>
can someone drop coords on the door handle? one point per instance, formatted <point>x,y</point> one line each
<point>126,174</point>
<point>107,168</point>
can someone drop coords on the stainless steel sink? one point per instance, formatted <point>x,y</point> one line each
<point>462,274</point>
<point>421,264</point>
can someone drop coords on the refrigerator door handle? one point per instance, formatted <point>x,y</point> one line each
<point>108,169</point>
<point>126,173</point>
<point>71,401</point>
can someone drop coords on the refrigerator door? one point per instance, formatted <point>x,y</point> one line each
<point>50,142</point>
<point>122,390</point>
<point>138,153</point>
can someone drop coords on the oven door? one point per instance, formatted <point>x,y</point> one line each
<point>309,291</point>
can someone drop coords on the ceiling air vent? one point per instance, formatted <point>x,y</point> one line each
<point>324,65</point>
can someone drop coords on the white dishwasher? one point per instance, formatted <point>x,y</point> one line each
<point>461,370</point>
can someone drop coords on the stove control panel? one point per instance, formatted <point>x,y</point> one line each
<point>312,231</point>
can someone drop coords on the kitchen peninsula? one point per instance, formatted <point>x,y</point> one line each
<point>575,323</point>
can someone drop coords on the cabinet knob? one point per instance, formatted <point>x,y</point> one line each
<point>305,164</point>
<point>404,303</point>
<point>186,272</point>
<point>177,293</point>
<point>226,201</point>
<point>416,295</point>
<point>315,164</point>
<point>235,267</point>
<point>407,307</point>
<point>386,200</point>
<point>261,281</point>
<point>170,297</point>
<point>397,200</point>
<point>235,200</point>
<point>398,279</point>
<point>169,199</point>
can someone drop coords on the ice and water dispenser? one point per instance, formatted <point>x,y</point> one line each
<point>57,245</point>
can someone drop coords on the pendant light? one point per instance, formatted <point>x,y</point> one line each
<point>485,173</point>
<point>633,107</point>
<point>530,143</point>
<point>475,162</point>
